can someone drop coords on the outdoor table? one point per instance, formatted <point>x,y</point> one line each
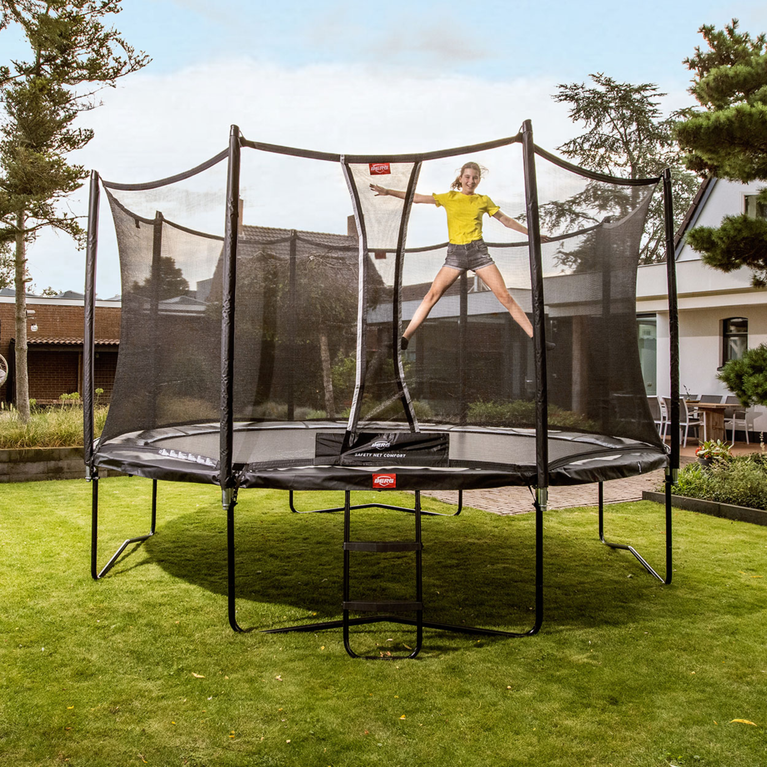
<point>712,414</point>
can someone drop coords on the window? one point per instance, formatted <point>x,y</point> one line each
<point>734,338</point>
<point>647,332</point>
<point>754,208</point>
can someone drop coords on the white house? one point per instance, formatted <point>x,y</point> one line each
<point>720,315</point>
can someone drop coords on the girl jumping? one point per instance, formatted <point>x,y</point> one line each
<point>466,248</point>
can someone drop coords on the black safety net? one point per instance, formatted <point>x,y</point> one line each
<point>328,276</point>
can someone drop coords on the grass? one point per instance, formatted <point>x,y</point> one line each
<point>54,427</point>
<point>142,667</point>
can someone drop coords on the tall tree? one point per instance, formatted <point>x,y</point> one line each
<point>626,136</point>
<point>728,138</point>
<point>71,56</point>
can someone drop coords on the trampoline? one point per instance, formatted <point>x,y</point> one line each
<point>260,344</point>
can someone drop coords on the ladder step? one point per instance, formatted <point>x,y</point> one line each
<point>383,546</point>
<point>392,606</point>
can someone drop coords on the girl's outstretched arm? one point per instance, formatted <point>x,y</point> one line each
<point>382,191</point>
<point>510,223</point>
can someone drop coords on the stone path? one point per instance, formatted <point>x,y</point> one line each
<point>518,500</point>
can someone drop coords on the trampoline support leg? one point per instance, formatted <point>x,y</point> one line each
<point>229,500</point>
<point>669,482</point>
<point>95,573</point>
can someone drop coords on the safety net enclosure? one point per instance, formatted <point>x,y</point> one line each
<point>261,324</point>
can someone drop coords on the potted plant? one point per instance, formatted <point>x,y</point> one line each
<point>712,450</point>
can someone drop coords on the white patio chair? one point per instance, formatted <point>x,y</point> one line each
<point>658,411</point>
<point>687,419</point>
<point>736,416</point>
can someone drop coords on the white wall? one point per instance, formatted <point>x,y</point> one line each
<point>706,296</point>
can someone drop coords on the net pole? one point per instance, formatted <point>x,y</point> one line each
<point>226,477</point>
<point>89,334</point>
<point>539,313</point>
<point>154,311</point>
<point>673,320</point>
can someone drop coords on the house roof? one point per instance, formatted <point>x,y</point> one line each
<point>696,206</point>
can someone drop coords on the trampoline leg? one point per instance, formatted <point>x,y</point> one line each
<point>230,501</point>
<point>667,579</point>
<point>95,573</point>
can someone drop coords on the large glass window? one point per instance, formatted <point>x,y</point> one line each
<point>647,332</point>
<point>734,338</point>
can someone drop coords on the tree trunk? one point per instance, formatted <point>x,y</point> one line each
<point>22,371</point>
<point>327,377</point>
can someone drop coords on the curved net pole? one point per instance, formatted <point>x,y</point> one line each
<point>397,309</point>
<point>539,342</point>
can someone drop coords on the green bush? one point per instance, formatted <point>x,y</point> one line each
<point>54,427</point>
<point>741,481</point>
<point>520,413</point>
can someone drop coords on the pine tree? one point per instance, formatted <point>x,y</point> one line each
<point>728,138</point>
<point>71,56</point>
<point>626,136</point>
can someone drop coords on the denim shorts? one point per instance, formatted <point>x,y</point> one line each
<point>472,256</point>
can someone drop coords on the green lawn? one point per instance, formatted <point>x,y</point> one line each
<point>142,667</point>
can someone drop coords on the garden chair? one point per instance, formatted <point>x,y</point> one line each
<point>736,416</point>
<point>687,419</point>
<point>658,414</point>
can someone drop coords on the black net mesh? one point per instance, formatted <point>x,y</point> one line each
<point>324,291</point>
<point>595,381</point>
<point>169,369</point>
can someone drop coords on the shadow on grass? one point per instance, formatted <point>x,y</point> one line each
<point>478,569</point>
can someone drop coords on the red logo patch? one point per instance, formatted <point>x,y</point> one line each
<point>380,169</point>
<point>384,481</point>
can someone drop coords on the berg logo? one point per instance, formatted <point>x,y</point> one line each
<point>384,481</point>
<point>381,444</point>
<point>380,168</point>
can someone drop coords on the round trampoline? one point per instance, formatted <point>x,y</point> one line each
<point>260,338</point>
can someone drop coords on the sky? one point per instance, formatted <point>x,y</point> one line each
<point>351,77</point>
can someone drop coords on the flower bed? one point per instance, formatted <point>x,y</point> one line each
<point>740,481</point>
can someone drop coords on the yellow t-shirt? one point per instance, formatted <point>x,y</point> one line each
<point>464,214</point>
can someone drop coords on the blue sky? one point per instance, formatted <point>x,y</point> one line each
<point>364,77</point>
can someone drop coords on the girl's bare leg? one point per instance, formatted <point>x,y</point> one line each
<point>492,277</point>
<point>444,279</point>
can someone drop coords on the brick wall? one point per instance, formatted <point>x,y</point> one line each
<point>55,349</point>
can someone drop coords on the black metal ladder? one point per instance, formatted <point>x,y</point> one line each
<point>383,608</point>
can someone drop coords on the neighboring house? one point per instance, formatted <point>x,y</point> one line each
<point>55,329</point>
<point>720,315</point>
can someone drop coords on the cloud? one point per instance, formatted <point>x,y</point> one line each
<point>154,126</point>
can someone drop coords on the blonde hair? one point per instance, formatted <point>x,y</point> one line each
<point>474,166</point>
